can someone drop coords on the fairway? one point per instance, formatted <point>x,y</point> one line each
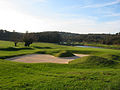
<point>98,71</point>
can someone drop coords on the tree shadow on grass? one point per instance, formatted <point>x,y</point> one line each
<point>14,49</point>
<point>73,57</point>
<point>5,57</point>
<point>83,52</point>
<point>42,47</point>
<point>112,57</point>
<point>40,52</point>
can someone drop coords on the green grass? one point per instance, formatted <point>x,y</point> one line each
<point>104,46</point>
<point>94,61</point>
<point>64,54</point>
<point>100,71</point>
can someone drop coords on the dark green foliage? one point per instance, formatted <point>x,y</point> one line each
<point>61,38</point>
<point>71,38</point>
<point>50,37</point>
<point>11,36</point>
<point>64,54</point>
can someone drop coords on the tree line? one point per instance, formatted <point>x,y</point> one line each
<point>59,37</point>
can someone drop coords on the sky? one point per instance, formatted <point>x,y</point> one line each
<point>76,16</point>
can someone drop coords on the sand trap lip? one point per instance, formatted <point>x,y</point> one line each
<point>44,58</point>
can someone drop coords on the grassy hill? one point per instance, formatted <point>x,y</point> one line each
<point>99,71</point>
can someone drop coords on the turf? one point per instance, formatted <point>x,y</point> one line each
<point>65,54</point>
<point>104,46</point>
<point>99,71</point>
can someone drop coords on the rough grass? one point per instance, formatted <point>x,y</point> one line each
<point>18,76</point>
<point>100,71</point>
<point>94,61</point>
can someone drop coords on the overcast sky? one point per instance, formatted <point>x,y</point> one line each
<point>77,16</point>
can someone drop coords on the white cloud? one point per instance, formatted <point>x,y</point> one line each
<point>40,0</point>
<point>112,14</point>
<point>110,27</point>
<point>97,5</point>
<point>102,5</point>
<point>12,19</point>
<point>91,26</point>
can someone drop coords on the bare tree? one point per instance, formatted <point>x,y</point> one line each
<point>15,37</point>
<point>29,38</point>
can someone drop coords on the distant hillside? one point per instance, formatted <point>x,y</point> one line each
<point>65,37</point>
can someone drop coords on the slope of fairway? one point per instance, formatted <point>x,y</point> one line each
<point>94,61</point>
<point>99,71</point>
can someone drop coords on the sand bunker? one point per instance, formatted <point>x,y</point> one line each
<point>43,58</point>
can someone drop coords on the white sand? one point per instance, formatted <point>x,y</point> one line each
<point>43,58</point>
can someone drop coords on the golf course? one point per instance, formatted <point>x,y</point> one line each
<point>92,69</point>
<point>59,44</point>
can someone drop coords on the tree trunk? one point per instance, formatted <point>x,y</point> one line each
<point>15,44</point>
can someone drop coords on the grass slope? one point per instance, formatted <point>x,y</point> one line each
<point>100,71</point>
<point>94,61</point>
<point>65,54</point>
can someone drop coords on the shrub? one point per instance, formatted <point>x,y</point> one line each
<point>41,52</point>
